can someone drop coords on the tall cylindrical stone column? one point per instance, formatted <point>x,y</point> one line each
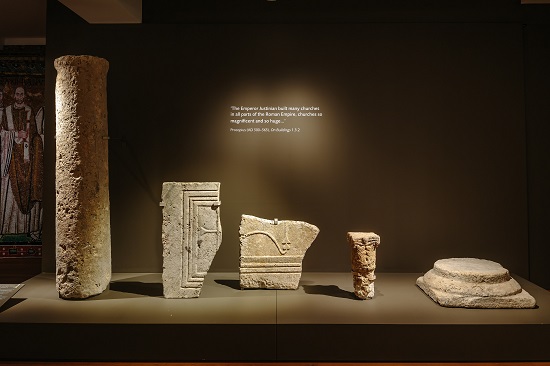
<point>363,262</point>
<point>83,233</point>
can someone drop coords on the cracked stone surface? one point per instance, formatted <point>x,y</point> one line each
<point>363,262</point>
<point>272,251</point>
<point>191,235</point>
<point>473,283</point>
<point>83,234</point>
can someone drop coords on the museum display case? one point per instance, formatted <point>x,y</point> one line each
<point>424,125</point>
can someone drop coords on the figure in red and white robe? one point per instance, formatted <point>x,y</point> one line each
<point>21,169</point>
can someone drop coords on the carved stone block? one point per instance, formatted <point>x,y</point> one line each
<point>473,283</point>
<point>191,235</point>
<point>82,221</point>
<point>272,251</point>
<point>363,262</point>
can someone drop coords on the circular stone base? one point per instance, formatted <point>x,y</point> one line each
<point>472,270</point>
<point>473,283</point>
<point>457,286</point>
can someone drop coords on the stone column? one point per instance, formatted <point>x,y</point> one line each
<point>363,262</point>
<point>83,235</point>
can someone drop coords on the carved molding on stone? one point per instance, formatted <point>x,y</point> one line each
<point>191,235</point>
<point>272,251</point>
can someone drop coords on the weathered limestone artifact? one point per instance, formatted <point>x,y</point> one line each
<point>363,262</point>
<point>83,234</point>
<point>191,235</point>
<point>473,283</point>
<point>272,252</point>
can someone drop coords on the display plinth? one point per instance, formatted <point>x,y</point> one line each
<point>321,321</point>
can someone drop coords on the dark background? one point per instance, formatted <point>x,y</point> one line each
<point>433,135</point>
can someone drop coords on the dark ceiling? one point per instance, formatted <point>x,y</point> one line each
<point>12,12</point>
<point>347,11</point>
<point>261,11</point>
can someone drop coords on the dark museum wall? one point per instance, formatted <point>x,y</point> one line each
<point>537,81</point>
<point>423,137</point>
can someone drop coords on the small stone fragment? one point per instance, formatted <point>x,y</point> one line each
<point>363,262</point>
<point>473,283</point>
<point>272,251</point>
<point>191,235</point>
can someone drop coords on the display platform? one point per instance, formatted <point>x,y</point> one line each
<point>321,321</point>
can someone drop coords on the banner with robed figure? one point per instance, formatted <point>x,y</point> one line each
<point>21,150</point>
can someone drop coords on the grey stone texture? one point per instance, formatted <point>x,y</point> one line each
<point>83,233</point>
<point>473,283</point>
<point>272,251</point>
<point>191,235</point>
<point>363,262</point>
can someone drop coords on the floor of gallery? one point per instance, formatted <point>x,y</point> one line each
<point>321,321</point>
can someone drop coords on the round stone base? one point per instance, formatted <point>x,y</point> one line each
<point>473,283</point>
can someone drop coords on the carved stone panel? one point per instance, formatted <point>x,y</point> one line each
<point>191,235</point>
<point>272,252</point>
